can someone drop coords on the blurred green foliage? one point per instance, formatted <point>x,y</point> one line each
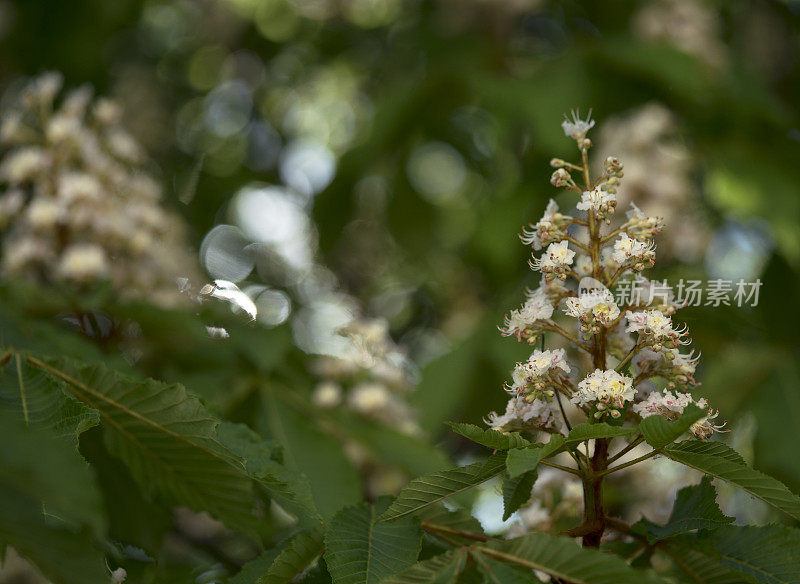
<point>483,85</point>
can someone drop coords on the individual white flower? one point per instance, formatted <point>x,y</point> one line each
<point>576,127</point>
<point>525,322</point>
<point>118,576</point>
<point>550,228</point>
<point>555,260</point>
<point>594,309</point>
<point>599,201</point>
<point>641,225</point>
<point>542,369</point>
<point>523,415</point>
<point>633,253</point>
<point>606,390</point>
<point>83,262</point>
<point>327,394</point>
<point>656,329</point>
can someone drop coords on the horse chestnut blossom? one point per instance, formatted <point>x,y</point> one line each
<point>532,377</point>
<point>595,310</point>
<point>613,362</point>
<point>634,253</point>
<point>671,406</point>
<point>607,391</point>
<point>551,227</point>
<point>555,260</point>
<point>525,322</point>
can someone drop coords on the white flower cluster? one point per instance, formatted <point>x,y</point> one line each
<point>656,330</point>
<point>607,391</point>
<point>370,376</point>
<point>76,203</point>
<point>622,383</point>
<point>532,378</point>
<point>524,415</point>
<point>659,168</point>
<point>671,405</point>
<point>525,322</point>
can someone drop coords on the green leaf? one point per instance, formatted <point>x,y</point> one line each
<point>769,554</point>
<point>254,569</point>
<point>720,461</point>
<point>658,431</point>
<point>359,549</point>
<point>62,555</point>
<point>586,431</point>
<point>517,492</point>
<point>497,572</point>
<point>307,448</point>
<point>695,508</point>
<point>562,558</point>
<point>441,569</point>
<point>43,401</point>
<point>694,567</point>
<point>286,485</point>
<point>522,460</point>
<point>434,487</point>
<point>295,558</point>
<point>49,469</point>
<point>166,439</point>
<point>489,437</point>
<point>460,519</point>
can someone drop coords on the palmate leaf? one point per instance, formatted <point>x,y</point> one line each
<point>62,555</point>
<point>46,467</point>
<point>441,569</point>
<point>769,554</point>
<point>166,439</point>
<point>718,460</point>
<point>489,437</point>
<point>359,549</point>
<point>43,401</point>
<point>517,492</point>
<point>296,557</point>
<point>47,493</point>
<point>658,431</point>
<point>287,486</point>
<point>435,487</point>
<point>562,558</point>
<point>695,508</point>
